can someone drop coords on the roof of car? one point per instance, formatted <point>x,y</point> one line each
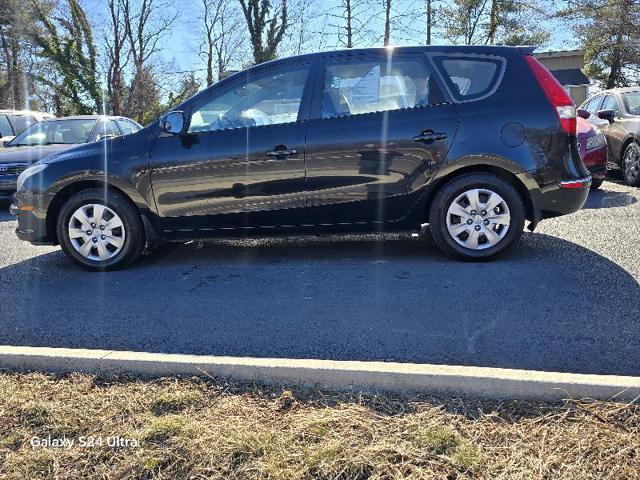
<point>88,117</point>
<point>497,49</point>
<point>25,112</point>
<point>618,90</point>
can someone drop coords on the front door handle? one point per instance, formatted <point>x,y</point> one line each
<point>281,151</point>
<point>429,136</point>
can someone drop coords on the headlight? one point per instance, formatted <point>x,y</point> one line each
<point>29,172</point>
<point>596,141</point>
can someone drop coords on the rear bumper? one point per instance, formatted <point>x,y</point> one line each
<point>567,197</point>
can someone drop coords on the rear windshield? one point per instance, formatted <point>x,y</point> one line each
<point>470,78</point>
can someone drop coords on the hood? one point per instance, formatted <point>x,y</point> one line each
<point>30,154</point>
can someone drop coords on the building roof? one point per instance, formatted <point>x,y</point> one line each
<point>559,53</point>
<point>571,76</point>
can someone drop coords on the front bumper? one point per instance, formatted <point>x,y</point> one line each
<point>32,220</point>
<point>7,186</point>
<point>596,161</point>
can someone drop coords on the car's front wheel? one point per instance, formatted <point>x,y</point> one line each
<point>631,165</point>
<point>476,216</point>
<point>98,233</point>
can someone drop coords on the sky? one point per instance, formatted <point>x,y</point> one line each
<point>180,48</point>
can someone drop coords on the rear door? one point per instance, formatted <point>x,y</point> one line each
<point>379,128</point>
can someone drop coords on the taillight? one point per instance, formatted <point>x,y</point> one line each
<point>557,95</point>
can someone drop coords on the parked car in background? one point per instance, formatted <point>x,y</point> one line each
<point>593,149</point>
<point>616,113</point>
<point>14,122</point>
<point>346,141</point>
<point>54,136</point>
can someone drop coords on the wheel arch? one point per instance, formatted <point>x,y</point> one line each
<point>508,174</point>
<point>71,188</point>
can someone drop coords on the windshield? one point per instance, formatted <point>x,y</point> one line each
<point>633,102</point>
<point>63,132</point>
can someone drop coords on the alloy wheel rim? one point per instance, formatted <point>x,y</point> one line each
<point>478,219</point>
<point>96,232</point>
<point>632,163</point>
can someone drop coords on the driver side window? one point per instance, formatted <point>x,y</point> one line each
<point>270,99</point>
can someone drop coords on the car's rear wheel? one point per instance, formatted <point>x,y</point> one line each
<point>631,164</point>
<point>98,233</point>
<point>476,216</point>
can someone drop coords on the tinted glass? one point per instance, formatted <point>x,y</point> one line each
<point>22,122</point>
<point>5,126</point>
<point>268,100</point>
<point>363,87</point>
<point>127,126</point>
<point>593,105</point>
<point>610,103</point>
<point>107,128</point>
<point>632,101</point>
<point>469,77</point>
<point>56,132</point>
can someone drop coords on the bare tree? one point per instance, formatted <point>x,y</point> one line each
<point>350,23</point>
<point>266,27</point>
<point>387,22</point>
<point>429,20</point>
<point>146,23</point>
<point>222,36</point>
<point>118,56</point>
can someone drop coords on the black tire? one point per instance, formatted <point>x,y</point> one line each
<point>631,173</point>
<point>596,183</point>
<point>445,197</point>
<point>134,240</point>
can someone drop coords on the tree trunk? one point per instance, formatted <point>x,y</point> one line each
<point>428,22</point>
<point>387,22</point>
<point>349,25</point>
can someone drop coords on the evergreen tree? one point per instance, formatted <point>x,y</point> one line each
<point>67,43</point>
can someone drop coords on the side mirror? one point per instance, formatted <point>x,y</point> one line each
<point>582,113</point>
<point>172,122</point>
<point>608,115</point>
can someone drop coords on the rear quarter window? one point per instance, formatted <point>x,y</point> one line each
<point>470,78</point>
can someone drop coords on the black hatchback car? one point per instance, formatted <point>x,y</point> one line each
<point>471,140</point>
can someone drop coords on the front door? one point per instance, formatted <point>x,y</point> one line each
<point>240,162</point>
<point>380,127</point>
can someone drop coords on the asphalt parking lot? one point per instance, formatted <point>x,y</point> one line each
<point>566,299</point>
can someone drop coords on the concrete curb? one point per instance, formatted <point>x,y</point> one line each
<point>497,383</point>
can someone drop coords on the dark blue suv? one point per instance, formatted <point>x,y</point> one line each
<point>471,140</point>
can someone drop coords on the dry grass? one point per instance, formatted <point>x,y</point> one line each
<point>192,429</point>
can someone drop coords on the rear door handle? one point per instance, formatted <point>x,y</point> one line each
<point>429,136</point>
<point>282,151</point>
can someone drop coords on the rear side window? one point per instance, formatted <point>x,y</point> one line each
<point>355,88</point>
<point>470,78</point>
<point>127,127</point>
